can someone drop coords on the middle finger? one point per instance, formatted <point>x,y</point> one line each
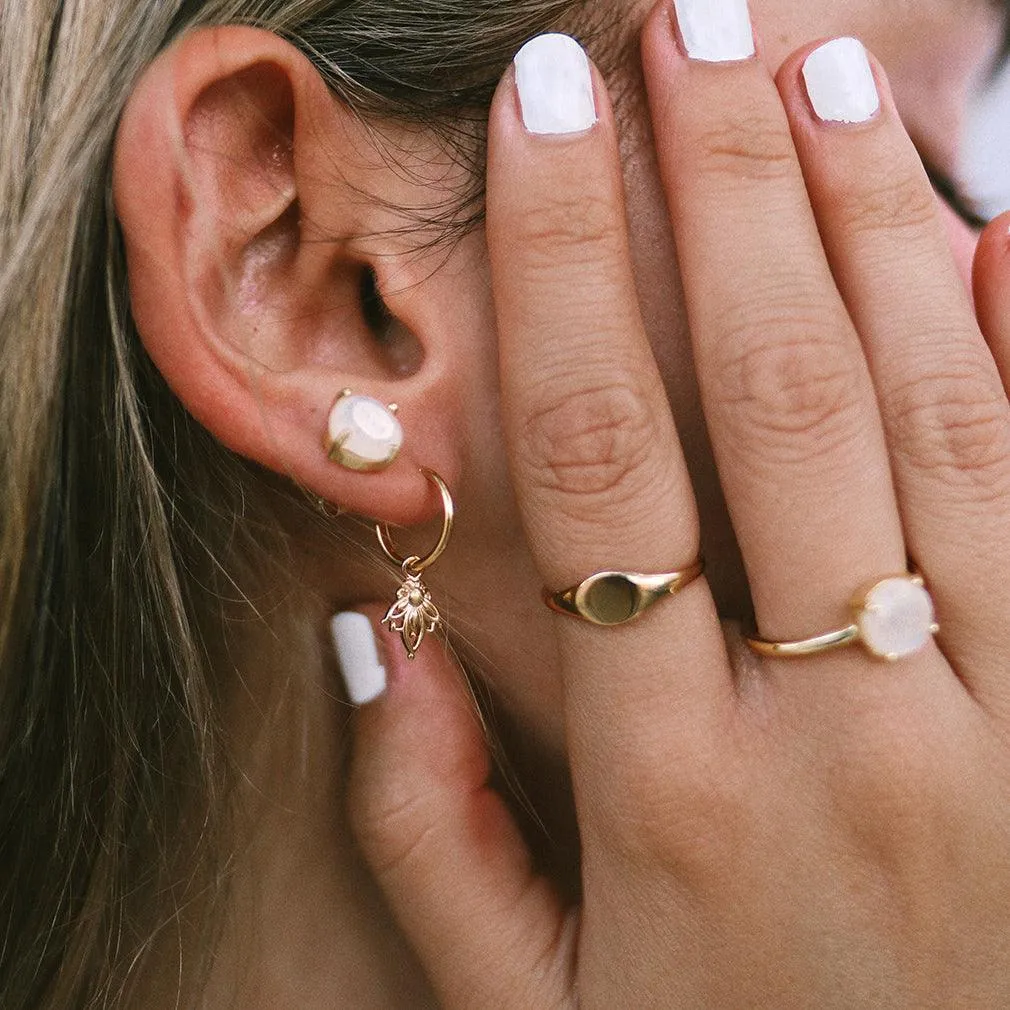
<point>785,386</point>
<point>600,476</point>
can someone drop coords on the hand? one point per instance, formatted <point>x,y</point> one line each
<point>829,831</point>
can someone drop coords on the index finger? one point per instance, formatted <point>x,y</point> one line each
<point>599,472</point>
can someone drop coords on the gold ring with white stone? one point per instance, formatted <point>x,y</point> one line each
<point>892,620</point>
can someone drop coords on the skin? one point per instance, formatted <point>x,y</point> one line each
<point>830,835</point>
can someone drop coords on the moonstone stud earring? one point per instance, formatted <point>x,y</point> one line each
<point>362,433</point>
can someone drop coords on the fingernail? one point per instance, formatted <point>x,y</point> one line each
<point>715,31</point>
<point>840,82</point>
<point>555,86</point>
<point>358,654</point>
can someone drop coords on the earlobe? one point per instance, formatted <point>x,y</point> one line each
<point>253,204</point>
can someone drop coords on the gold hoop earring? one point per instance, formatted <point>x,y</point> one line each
<point>413,615</point>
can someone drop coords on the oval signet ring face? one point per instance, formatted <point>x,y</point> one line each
<point>613,598</point>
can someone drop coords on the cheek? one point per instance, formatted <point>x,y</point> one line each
<point>655,262</point>
<point>925,38</point>
<point>661,299</point>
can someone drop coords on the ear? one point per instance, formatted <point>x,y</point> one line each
<point>257,213</point>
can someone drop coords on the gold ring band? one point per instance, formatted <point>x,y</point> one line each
<point>892,620</point>
<point>612,598</point>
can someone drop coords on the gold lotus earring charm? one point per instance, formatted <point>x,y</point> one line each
<point>413,615</point>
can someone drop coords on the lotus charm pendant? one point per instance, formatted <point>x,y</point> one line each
<point>412,614</point>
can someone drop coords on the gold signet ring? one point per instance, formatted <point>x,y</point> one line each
<point>613,598</point>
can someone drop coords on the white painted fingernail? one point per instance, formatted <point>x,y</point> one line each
<point>358,654</point>
<point>840,82</point>
<point>715,31</point>
<point>555,86</point>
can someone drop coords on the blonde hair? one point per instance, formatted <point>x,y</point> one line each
<point>124,525</point>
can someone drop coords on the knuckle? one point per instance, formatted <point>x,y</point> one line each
<point>749,147</point>
<point>569,228</point>
<point>592,443</point>
<point>791,398</point>
<point>953,422</point>
<point>888,768</point>
<point>393,832</point>
<point>682,824</point>
<point>689,834</point>
<point>891,203</point>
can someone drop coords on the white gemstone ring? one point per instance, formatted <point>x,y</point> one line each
<point>892,620</point>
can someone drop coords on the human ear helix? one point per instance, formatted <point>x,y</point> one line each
<point>363,433</point>
<point>413,614</point>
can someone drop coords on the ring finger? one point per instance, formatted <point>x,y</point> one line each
<point>941,398</point>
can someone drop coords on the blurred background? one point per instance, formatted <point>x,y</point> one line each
<point>985,173</point>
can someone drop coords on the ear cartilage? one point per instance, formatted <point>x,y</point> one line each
<point>363,433</point>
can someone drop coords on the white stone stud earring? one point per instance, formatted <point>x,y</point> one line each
<point>362,433</point>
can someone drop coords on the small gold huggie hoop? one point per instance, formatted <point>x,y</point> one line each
<point>413,615</point>
<point>449,514</point>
